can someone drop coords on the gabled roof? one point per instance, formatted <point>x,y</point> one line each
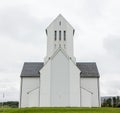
<point>88,69</point>
<point>63,51</point>
<point>60,17</point>
<point>31,69</point>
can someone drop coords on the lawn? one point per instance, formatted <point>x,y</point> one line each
<point>60,110</point>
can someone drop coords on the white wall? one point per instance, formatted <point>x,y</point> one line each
<point>45,74</point>
<point>33,98</point>
<point>91,84</point>
<point>60,81</point>
<point>28,84</point>
<point>86,98</point>
<point>74,85</point>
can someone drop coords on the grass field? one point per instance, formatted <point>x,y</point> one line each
<point>60,110</point>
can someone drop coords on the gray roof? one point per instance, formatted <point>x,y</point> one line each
<point>88,69</point>
<point>31,69</point>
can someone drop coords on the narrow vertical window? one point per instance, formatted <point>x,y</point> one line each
<point>59,35</point>
<point>46,31</point>
<point>55,37</point>
<point>64,35</point>
<point>60,23</point>
<point>73,32</point>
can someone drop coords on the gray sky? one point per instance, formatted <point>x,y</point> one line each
<point>23,39</point>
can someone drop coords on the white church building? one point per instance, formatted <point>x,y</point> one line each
<point>60,81</point>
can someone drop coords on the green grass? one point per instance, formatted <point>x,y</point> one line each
<point>60,110</point>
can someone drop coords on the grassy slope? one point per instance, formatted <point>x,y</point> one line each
<point>61,110</point>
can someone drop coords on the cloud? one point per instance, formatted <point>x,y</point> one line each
<point>112,45</point>
<point>9,86</point>
<point>20,25</point>
<point>22,39</point>
<point>110,85</point>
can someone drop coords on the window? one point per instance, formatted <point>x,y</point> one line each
<point>55,37</point>
<point>59,35</point>
<point>64,35</point>
<point>60,23</point>
<point>46,31</point>
<point>73,32</point>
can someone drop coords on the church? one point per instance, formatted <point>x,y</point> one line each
<point>60,81</point>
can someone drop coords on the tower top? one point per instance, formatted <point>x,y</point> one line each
<point>61,20</point>
<point>60,35</point>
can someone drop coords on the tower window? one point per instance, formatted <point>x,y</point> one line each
<point>64,35</point>
<point>46,31</point>
<point>59,35</point>
<point>60,23</point>
<point>73,32</point>
<point>55,37</point>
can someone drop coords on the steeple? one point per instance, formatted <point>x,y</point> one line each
<point>60,35</point>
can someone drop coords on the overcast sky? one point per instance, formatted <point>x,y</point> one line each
<point>23,39</point>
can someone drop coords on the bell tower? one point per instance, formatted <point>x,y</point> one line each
<point>60,35</point>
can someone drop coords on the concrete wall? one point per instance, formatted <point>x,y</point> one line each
<point>30,86</point>
<point>92,85</point>
<point>33,98</point>
<point>60,81</point>
<point>86,98</point>
<point>74,85</point>
<point>45,75</point>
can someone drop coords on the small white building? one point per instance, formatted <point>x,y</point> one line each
<point>60,81</point>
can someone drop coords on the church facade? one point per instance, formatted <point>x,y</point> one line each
<point>60,81</point>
